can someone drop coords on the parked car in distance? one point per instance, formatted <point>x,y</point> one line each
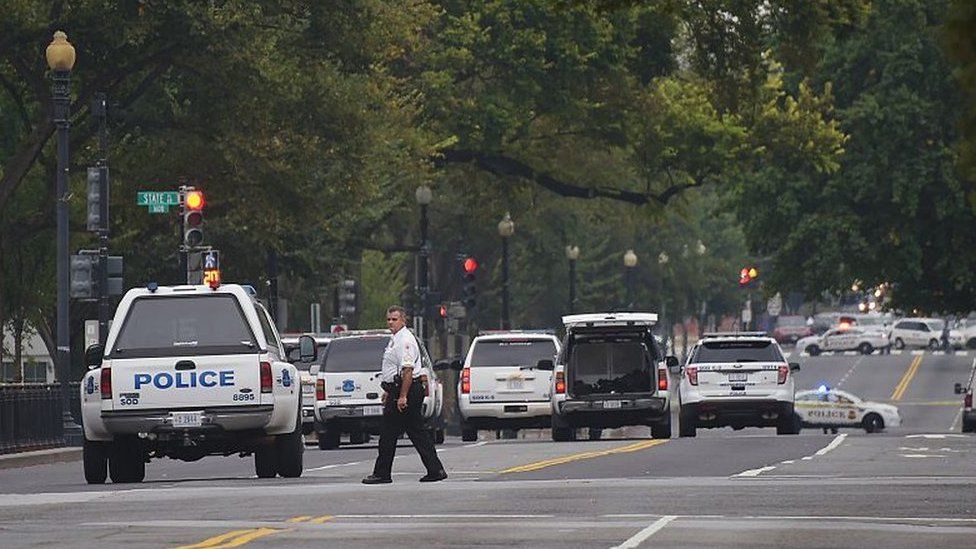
<point>923,332</point>
<point>791,328</point>
<point>844,339</point>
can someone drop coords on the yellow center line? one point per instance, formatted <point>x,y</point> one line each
<point>583,455</point>
<point>217,540</point>
<point>907,378</point>
<point>246,538</point>
<point>320,520</point>
<point>299,519</point>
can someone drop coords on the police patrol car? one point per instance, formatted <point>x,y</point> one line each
<point>832,408</point>
<point>501,387</point>
<point>844,339</point>
<point>739,380</point>
<point>348,394</point>
<point>190,371</point>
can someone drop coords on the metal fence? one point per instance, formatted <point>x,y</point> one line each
<point>30,416</point>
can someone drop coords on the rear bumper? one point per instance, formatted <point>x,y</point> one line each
<point>347,419</point>
<point>738,413</point>
<point>237,418</point>
<point>595,413</point>
<point>506,410</point>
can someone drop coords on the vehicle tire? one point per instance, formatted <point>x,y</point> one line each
<point>833,430</point>
<point>468,433</point>
<point>291,448</point>
<point>307,428</point>
<point>329,439</point>
<point>95,456</point>
<point>789,425</point>
<point>266,461</point>
<point>971,344</point>
<point>357,437</point>
<point>563,434</point>
<point>872,423</point>
<point>662,429</point>
<point>865,348</point>
<point>899,344</point>
<point>438,436</point>
<point>813,350</point>
<point>968,427</point>
<point>126,462</point>
<point>687,425</point>
<point>934,345</point>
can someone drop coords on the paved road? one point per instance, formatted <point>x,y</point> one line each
<point>911,486</point>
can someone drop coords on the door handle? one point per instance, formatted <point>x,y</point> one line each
<point>186,365</point>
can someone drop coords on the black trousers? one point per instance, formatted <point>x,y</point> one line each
<point>411,422</point>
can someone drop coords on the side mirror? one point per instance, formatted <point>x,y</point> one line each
<point>958,389</point>
<point>673,365</point>
<point>307,350</point>
<point>546,364</point>
<point>313,369</point>
<point>94,355</point>
<point>794,366</point>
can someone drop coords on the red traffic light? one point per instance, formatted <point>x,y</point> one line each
<point>442,311</point>
<point>744,277</point>
<point>195,200</point>
<point>470,265</point>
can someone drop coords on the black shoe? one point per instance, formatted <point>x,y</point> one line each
<point>434,477</point>
<point>373,479</point>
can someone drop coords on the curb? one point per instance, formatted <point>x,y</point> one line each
<point>39,457</point>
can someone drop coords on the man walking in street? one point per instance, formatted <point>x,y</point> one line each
<point>402,400</point>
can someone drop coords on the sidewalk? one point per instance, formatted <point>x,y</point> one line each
<point>39,457</point>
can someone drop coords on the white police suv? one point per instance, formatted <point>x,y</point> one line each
<point>739,380</point>
<point>348,391</point>
<point>610,373</point>
<point>501,385</point>
<point>190,371</point>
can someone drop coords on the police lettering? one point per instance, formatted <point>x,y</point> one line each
<point>186,380</point>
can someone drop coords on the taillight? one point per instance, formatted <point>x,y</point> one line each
<point>560,383</point>
<point>266,377</point>
<point>783,372</point>
<point>968,401</point>
<point>320,389</point>
<point>106,384</point>
<point>662,379</point>
<point>423,379</point>
<point>466,381</point>
<point>692,372</point>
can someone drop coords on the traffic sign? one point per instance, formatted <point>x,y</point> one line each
<point>158,201</point>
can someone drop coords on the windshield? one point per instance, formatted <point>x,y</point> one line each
<point>737,351</point>
<point>357,354</point>
<point>511,352</point>
<point>184,326</point>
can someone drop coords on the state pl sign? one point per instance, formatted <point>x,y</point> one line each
<point>158,201</point>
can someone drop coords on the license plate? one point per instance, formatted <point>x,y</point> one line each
<point>515,384</point>
<point>373,411</point>
<point>187,419</point>
<point>308,389</point>
<point>738,376</point>
<point>611,404</point>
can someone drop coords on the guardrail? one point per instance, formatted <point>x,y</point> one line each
<point>30,416</point>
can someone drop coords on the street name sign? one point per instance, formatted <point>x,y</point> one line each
<point>158,201</point>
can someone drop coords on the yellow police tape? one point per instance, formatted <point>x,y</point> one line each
<point>906,379</point>
<point>583,455</point>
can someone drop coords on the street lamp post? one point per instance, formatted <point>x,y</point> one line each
<point>424,197</point>
<point>630,261</point>
<point>572,254</point>
<point>662,260</point>
<point>60,56</point>
<point>506,228</point>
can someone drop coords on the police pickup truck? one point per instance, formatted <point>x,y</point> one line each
<point>190,371</point>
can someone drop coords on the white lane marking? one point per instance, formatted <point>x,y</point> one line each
<point>755,472</point>
<point>850,353</point>
<point>935,436</point>
<point>788,461</point>
<point>641,537</point>
<point>806,458</point>
<point>897,352</point>
<point>916,353</point>
<point>446,516</point>
<point>333,466</point>
<point>476,444</point>
<point>955,420</point>
<point>833,444</point>
<point>849,372</point>
<point>922,455</point>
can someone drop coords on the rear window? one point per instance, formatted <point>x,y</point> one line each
<point>355,355</point>
<point>511,352</point>
<point>737,351</point>
<point>184,326</point>
<point>610,364</point>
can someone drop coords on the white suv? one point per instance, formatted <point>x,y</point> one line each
<point>923,332</point>
<point>501,386</point>
<point>737,380</point>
